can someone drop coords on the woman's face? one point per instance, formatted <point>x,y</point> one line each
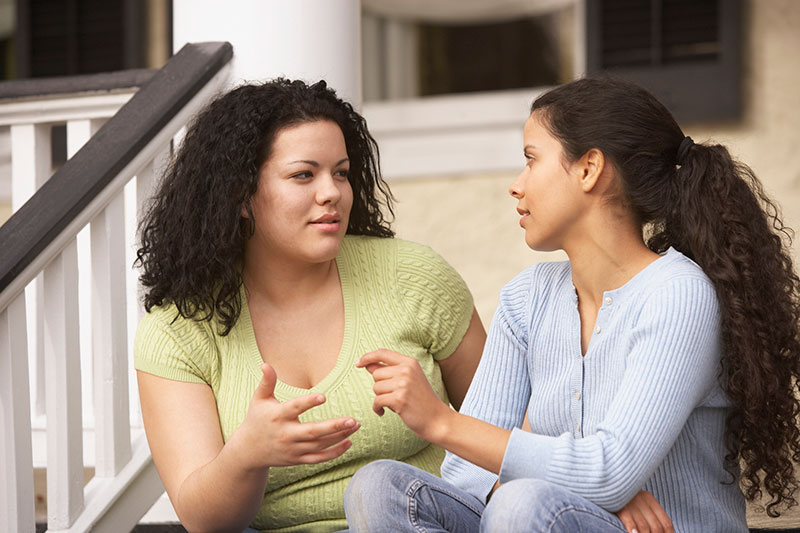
<point>547,190</point>
<point>302,204</point>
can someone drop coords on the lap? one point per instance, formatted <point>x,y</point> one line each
<point>537,505</point>
<point>393,496</point>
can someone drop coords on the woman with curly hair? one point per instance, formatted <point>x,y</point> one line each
<point>268,270</point>
<point>667,363</point>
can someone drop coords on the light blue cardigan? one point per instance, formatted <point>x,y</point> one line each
<point>642,409</point>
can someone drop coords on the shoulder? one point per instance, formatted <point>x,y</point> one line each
<point>167,343</point>
<point>537,281</point>
<point>676,278</point>
<point>675,292</point>
<point>165,320</point>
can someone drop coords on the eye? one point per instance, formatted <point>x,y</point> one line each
<point>528,159</point>
<point>342,173</point>
<point>304,175</point>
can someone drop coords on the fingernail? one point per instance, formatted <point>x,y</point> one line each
<point>634,530</point>
<point>350,423</point>
<point>320,398</point>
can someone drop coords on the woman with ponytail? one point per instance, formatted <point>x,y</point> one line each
<point>662,357</point>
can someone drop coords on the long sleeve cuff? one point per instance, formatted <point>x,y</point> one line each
<point>527,456</point>
<point>471,478</point>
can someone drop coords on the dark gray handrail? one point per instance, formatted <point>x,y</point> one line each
<point>102,82</point>
<point>48,212</point>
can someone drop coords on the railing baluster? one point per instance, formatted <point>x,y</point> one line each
<point>16,462</point>
<point>79,131</point>
<point>135,204</point>
<point>31,166</point>
<point>63,381</point>
<point>110,340</point>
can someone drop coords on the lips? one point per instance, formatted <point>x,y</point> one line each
<point>327,219</point>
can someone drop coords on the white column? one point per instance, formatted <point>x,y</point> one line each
<point>305,39</point>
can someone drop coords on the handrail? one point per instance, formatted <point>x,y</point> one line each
<point>63,85</point>
<point>70,190</point>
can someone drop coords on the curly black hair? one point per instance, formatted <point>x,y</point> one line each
<point>193,234</point>
<point>714,210</point>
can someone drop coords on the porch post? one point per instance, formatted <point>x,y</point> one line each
<point>306,39</point>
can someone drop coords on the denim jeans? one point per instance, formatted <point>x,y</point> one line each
<point>389,496</point>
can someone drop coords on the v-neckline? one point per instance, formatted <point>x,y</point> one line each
<point>284,390</point>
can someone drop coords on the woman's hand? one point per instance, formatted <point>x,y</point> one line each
<point>401,386</point>
<point>272,434</point>
<point>643,514</point>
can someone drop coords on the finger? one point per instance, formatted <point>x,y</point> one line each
<point>317,430</point>
<point>325,455</point>
<point>386,357</point>
<point>377,408</point>
<point>297,406</point>
<point>386,372</point>
<point>655,514</point>
<point>625,517</point>
<point>322,443</point>
<point>661,518</point>
<point>373,367</point>
<point>386,401</point>
<point>646,510</point>
<point>266,387</point>
<point>640,524</point>
<point>386,386</point>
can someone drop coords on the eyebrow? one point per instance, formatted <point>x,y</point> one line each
<point>315,164</point>
<point>529,147</point>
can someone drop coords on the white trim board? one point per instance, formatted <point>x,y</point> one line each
<point>450,135</point>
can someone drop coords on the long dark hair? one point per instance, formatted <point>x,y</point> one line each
<point>193,235</point>
<point>699,200</point>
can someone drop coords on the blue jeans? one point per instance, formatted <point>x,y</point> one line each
<point>389,496</point>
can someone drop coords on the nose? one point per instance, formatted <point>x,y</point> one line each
<point>327,189</point>
<point>517,188</point>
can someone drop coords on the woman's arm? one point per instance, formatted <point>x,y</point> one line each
<point>216,486</point>
<point>458,369</point>
<point>672,364</point>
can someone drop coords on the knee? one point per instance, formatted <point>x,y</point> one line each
<point>370,488</point>
<point>521,505</point>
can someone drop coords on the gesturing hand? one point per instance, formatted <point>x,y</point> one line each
<point>401,386</point>
<point>643,514</point>
<point>274,436</point>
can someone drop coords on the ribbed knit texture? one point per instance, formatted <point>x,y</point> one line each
<point>641,410</point>
<point>397,295</point>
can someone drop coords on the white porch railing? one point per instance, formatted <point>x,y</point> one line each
<point>68,305</point>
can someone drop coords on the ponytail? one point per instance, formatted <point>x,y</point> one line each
<point>697,199</point>
<point>722,219</point>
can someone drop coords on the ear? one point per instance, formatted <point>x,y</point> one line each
<point>244,209</point>
<point>590,167</point>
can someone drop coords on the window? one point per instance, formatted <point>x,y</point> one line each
<point>687,52</point>
<point>453,87</point>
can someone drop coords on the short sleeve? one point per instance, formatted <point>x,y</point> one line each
<point>172,348</point>
<point>436,297</point>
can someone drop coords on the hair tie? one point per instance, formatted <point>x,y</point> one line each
<point>683,149</point>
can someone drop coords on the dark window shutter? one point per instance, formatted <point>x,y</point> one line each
<point>68,37</point>
<point>687,52</point>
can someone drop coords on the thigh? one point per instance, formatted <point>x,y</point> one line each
<point>394,496</point>
<point>534,505</point>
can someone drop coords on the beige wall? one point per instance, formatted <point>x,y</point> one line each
<point>471,220</point>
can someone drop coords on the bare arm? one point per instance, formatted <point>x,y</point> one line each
<point>458,369</point>
<point>216,486</point>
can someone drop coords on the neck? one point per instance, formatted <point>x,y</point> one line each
<point>285,285</point>
<point>606,259</point>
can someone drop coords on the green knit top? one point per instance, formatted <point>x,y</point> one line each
<point>397,295</point>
